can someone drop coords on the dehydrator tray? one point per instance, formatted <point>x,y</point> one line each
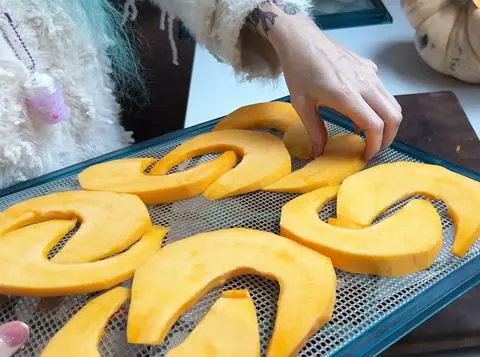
<point>370,313</point>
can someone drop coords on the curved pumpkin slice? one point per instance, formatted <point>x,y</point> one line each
<point>365,195</point>
<point>264,160</point>
<point>84,331</point>
<point>128,176</point>
<point>343,156</point>
<point>230,329</point>
<point>402,244</point>
<point>272,115</point>
<point>185,270</point>
<point>25,269</point>
<point>110,222</point>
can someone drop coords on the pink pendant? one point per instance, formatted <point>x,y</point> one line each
<point>44,99</point>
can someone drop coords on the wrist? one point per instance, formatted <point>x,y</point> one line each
<point>286,29</point>
<point>293,33</point>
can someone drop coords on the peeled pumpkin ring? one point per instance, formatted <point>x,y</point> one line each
<point>272,115</point>
<point>343,156</point>
<point>367,194</point>
<point>264,160</point>
<point>128,176</point>
<point>83,332</point>
<point>26,270</point>
<point>185,270</point>
<point>402,244</point>
<point>229,328</point>
<point>110,222</point>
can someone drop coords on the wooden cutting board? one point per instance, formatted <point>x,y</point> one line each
<point>437,124</point>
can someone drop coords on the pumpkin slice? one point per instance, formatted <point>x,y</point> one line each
<point>230,329</point>
<point>272,115</point>
<point>264,160</point>
<point>83,333</point>
<point>343,156</point>
<point>128,176</point>
<point>110,222</point>
<point>402,244</point>
<point>184,271</point>
<point>25,269</point>
<point>365,195</point>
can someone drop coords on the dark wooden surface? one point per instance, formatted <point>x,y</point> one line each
<point>436,123</point>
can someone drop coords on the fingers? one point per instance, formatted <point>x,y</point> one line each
<point>13,336</point>
<point>308,111</point>
<point>377,114</point>
<point>390,97</point>
<point>367,119</point>
<point>388,113</point>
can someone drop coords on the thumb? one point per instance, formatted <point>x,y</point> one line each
<point>13,336</point>
<point>315,126</point>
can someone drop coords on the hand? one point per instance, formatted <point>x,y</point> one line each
<point>13,336</point>
<point>320,72</point>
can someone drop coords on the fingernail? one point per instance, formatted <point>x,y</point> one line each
<point>368,156</point>
<point>14,334</point>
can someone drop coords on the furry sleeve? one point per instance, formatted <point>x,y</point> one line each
<point>219,26</point>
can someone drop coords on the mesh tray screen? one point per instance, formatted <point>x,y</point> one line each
<point>362,301</point>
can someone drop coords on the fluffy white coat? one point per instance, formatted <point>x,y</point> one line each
<point>69,53</point>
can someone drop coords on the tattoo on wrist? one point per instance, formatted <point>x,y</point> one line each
<point>260,20</point>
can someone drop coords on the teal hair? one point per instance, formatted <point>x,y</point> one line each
<point>104,22</point>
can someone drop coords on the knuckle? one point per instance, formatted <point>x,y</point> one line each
<point>343,94</point>
<point>377,125</point>
<point>399,117</point>
<point>368,91</point>
<point>338,88</point>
